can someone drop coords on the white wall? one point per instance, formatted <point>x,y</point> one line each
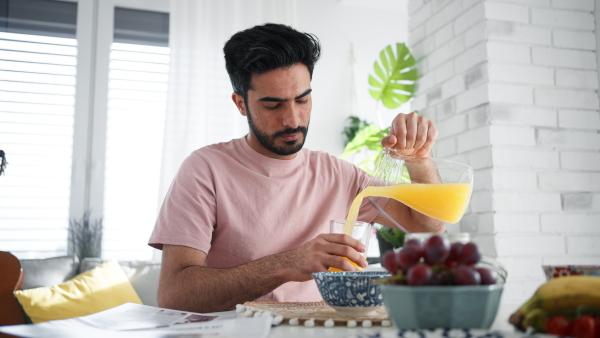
<point>513,87</point>
<point>367,25</point>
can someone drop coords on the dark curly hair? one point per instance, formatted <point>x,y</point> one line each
<point>266,47</point>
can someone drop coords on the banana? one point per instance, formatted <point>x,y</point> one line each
<point>560,294</point>
<point>536,319</point>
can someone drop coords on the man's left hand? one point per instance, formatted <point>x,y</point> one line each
<point>411,134</point>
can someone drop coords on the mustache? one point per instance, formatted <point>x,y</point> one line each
<point>300,129</point>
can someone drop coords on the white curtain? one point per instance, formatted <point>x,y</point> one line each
<point>199,106</point>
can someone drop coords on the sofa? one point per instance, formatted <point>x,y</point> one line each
<point>47,276</point>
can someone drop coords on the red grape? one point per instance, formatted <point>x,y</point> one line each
<point>488,277</point>
<point>407,257</point>
<point>452,260</point>
<point>413,242</point>
<point>388,261</point>
<point>466,275</point>
<point>469,254</point>
<point>419,274</point>
<point>436,249</point>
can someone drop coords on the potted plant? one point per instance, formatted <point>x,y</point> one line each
<point>392,84</point>
<point>3,162</point>
<point>85,236</point>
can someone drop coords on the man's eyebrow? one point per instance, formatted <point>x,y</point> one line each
<point>277,99</point>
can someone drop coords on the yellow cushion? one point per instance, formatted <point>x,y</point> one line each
<point>98,289</point>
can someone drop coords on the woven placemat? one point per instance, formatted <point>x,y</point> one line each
<point>316,313</point>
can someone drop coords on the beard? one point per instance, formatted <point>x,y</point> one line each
<point>268,141</point>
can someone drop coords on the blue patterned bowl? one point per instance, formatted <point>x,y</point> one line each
<point>351,293</point>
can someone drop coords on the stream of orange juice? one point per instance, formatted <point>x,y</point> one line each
<point>444,201</point>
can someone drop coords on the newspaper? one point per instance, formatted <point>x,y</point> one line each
<point>135,320</point>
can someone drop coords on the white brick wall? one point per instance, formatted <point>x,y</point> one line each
<point>513,87</point>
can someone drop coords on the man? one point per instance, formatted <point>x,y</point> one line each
<point>249,219</point>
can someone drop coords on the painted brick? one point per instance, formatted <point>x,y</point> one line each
<point>483,178</point>
<point>476,76</point>
<point>434,95</point>
<point>473,139</point>
<point>446,108</point>
<point>444,72</point>
<point>471,98</point>
<point>577,201</point>
<point>581,5</point>
<point>563,58</point>
<point>506,12</point>
<point>521,268</point>
<point>531,3</point>
<point>466,4</point>
<point>425,83</point>
<point>569,181</point>
<point>577,78</point>
<point>420,16</point>
<point>562,18</point>
<point>508,52</point>
<point>486,243</point>
<point>583,245</point>
<point>516,222</point>
<point>523,115</point>
<point>419,102</point>
<point>443,35</point>
<point>565,260</point>
<point>570,223</point>
<point>477,223</point>
<point>454,125</point>
<point>536,245</point>
<point>442,17</point>
<point>423,49</point>
<point>580,160</point>
<point>566,98</point>
<point>512,135</point>
<point>416,35</point>
<point>508,93</point>
<point>479,116</point>
<point>510,31</point>
<point>581,119</point>
<point>521,74</point>
<point>444,147</point>
<point>513,179</point>
<point>469,18</point>
<point>470,58</point>
<point>574,39</point>
<point>565,139</point>
<point>415,5</point>
<point>595,201</point>
<point>480,158</point>
<point>526,201</point>
<point>475,34</point>
<point>481,201</point>
<point>446,52</point>
<point>438,5</point>
<point>516,292</point>
<point>452,87</point>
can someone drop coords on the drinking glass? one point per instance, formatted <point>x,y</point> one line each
<point>361,231</point>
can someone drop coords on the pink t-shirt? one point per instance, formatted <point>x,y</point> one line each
<point>237,205</point>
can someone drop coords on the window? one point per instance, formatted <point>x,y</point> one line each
<point>81,120</point>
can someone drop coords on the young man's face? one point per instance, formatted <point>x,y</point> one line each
<point>278,111</point>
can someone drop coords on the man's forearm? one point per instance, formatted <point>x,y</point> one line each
<point>202,289</point>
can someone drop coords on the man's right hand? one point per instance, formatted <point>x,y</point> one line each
<point>324,251</point>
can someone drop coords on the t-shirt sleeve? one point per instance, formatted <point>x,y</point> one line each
<point>187,216</point>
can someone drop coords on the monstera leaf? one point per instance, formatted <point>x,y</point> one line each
<point>395,76</point>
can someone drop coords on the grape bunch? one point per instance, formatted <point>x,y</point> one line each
<point>437,262</point>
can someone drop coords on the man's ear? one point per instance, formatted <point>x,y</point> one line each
<point>239,103</point>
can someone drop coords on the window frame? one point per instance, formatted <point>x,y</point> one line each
<point>94,39</point>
